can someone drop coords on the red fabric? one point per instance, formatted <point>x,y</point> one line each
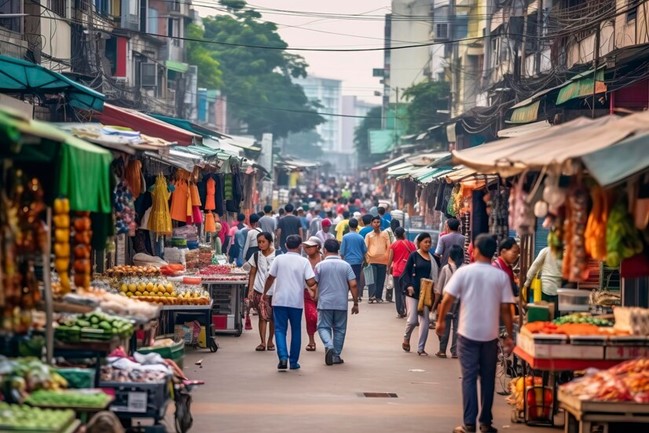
<point>113,115</point>
<point>225,229</point>
<point>310,313</point>
<point>500,264</point>
<point>401,250</point>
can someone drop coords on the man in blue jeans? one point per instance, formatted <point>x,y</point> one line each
<point>291,271</point>
<point>353,250</point>
<point>485,293</point>
<point>335,279</point>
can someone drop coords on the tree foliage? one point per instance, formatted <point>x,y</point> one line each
<point>362,135</point>
<point>258,81</point>
<point>305,144</point>
<point>424,101</point>
<point>209,69</point>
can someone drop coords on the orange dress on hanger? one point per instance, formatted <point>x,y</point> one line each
<point>210,203</point>
<point>180,199</point>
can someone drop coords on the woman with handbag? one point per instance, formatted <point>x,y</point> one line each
<point>420,272</point>
<point>455,260</point>
<point>400,250</point>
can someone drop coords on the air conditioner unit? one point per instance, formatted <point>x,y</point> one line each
<point>441,32</point>
<point>148,74</point>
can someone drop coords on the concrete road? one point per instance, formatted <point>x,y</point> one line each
<point>245,393</point>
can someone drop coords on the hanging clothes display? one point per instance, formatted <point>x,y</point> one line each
<point>234,204</point>
<point>209,196</point>
<point>180,197</point>
<point>210,223</point>
<point>160,219</point>
<point>197,215</point>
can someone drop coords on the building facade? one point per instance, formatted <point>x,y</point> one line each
<point>328,93</point>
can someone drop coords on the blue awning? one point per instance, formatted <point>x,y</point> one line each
<point>21,76</point>
<point>619,162</point>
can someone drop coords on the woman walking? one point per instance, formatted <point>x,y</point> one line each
<point>312,250</point>
<point>420,266</point>
<point>455,260</point>
<point>400,251</point>
<point>260,263</point>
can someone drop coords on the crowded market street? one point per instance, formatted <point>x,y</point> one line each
<point>245,392</point>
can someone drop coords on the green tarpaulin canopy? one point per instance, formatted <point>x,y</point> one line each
<point>21,76</point>
<point>617,163</point>
<point>83,168</point>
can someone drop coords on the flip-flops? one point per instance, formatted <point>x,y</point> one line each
<point>310,347</point>
<point>260,348</point>
<point>270,347</point>
<point>405,347</point>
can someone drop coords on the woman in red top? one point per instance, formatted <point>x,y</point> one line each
<point>508,254</point>
<point>400,250</point>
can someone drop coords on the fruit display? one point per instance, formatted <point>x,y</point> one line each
<point>69,398</point>
<point>223,272</point>
<point>212,270</point>
<point>26,375</point>
<point>517,388</point>
<point>172,270</point>
<point>628,381</point>
<point>623,240</point>
<point>25,418</point>
<point>155,290</point>
<point>95,326</point>
<point>133,271</point>
<point>571,329</point>
<point>62,242</point>
<point>193,295</point>
<point>82,249</point>
<point>582,318</point>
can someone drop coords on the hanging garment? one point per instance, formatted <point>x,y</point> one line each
<point>210,223</point>
<point>219,195</point>
<point>209,196</point>
<point>234,205</point>
<point>160,219</point>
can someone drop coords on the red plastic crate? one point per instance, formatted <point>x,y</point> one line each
<point>220,321</point>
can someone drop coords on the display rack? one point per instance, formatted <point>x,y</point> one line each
<point>583,415</point>
<point>203,311</point>
<point>227,298</point>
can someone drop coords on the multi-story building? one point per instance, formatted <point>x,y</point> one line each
<point>356,110</point>
<point>327,92</point>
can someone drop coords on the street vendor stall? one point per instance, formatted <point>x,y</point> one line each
<point>227,286</point>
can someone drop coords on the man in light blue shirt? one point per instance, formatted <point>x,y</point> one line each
<point>335,279</point>
<point>353,251</point>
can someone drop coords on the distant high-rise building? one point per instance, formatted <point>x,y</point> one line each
<point>328,92</point>
<point>356,109</point>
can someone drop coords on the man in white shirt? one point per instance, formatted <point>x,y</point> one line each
<point>324,234</point>
<point>485,295</point>
<point>291,271</point>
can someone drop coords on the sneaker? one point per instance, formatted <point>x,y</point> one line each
<point>329,356</point>
<point>488,428</point>
<point>283,364</point>
<point>464,429</point>
<point>338,360</point>
<point>295,366</point>
<point>440,355</point>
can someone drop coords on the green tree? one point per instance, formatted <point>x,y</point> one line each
<point>258,81</point>
<point>362,136</point>
<point>424,101</point>
<point>305,144</point>
<point>209,69</point>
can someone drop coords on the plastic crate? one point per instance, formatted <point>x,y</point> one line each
<point>574,300</point>
<point>176,352</point>
<point>78,378</point>
<point>139,400</point>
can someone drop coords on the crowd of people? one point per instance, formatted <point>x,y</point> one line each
<point>317,263</point>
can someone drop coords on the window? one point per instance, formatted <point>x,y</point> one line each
<point>58,7</point>
<point>11,7</point>
<point>632,9</point>
<point>102,7</point>
<point>441,31</point>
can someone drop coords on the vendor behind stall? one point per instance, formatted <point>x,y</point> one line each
<point>548,265</point>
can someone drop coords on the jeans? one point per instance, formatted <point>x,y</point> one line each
<point>332,327</point>
<point>282,317</point>
<point>376,291</point>
<point>358,271</point>
<point>399,296</point>
<point>478,358</point>
<point>451,320</point>
<point>415,319</point>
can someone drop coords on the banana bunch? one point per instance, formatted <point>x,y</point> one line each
<point>62,242</point>
<point>622,239</point>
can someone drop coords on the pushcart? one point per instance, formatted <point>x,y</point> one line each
<point>227,308</point>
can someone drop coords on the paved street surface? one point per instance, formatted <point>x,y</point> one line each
<point>245,393</point>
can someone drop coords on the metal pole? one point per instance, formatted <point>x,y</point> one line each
<point>47,291</point>
<point>595,62</point>
<point>523,54</point>
<point>454,58</point>
<point>487,38</point>
<point>539,34</point>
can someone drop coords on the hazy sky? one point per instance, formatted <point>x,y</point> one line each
<point>305,26</point>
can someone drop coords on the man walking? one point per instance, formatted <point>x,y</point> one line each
<point>268,223</point>
<point>325,233</point>
<point>353,251</point>
<point>335,279</point>
<point>485,295</point>
<point>291,271</point>
<point>378,247</point>
<point>251,247</point>
<point>287,226</point>
<point>452,237</point>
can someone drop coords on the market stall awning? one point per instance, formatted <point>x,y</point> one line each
<point>177,66</point>
<point>246,143</point>
<point>188,125</point>
<point>583,84</point>
<point>424,159</point>
<point>390,162</point>
<point>619,162</point>
<point>552,146</point>
<point>517,131</point>
<point>113,115</point>
<point>21,76</point>
<point>83,169</point>
<point>119,139</point>
<point>526,114</point>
